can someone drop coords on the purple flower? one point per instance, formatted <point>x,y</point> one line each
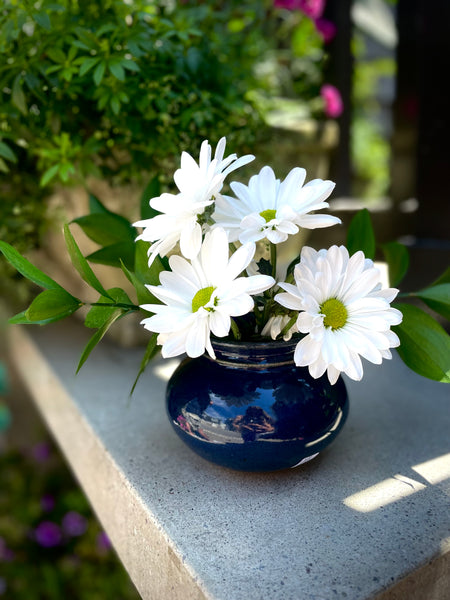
<point>6,554</point>
<point>47,503</point>
<point>48,534</point>
<point>74,524</point>
<point>333,101</point>
<point>41,452</point>
<point>103,542</point>
<point>326,29</point>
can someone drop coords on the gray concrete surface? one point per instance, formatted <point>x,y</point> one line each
<point>368,517</point>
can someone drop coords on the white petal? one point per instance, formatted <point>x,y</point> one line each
<point>289,301</point>
<point>306,352</point>
<point>197,336</point>
<point>258,283</point>
<point>191,239</point>
<point>220,323</point>
<point>317,221</point>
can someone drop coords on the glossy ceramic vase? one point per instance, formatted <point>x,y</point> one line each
<point>252,409</point>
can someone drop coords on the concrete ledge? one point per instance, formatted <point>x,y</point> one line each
<point>368,518</point>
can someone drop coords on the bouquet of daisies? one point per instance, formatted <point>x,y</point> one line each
<point>211,270</point>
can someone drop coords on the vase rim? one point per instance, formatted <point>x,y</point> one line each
<point>257,354</point>
<point>259,343</point>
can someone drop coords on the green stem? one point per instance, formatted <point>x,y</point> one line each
<point>273,259</point>
<point>288,325</point>
<point>130,307</point>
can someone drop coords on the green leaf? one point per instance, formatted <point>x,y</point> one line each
<point>397,258</point>
<point>115,105</point>
<point>22,319</point>
<point>18,97</point>
<point>81,264</point>
<point>96,207</point>
<point>444,278</point>
<point>99,315</point>
<point>107,228</point>
<point>114,254</point>
<point>150,351</point>
<point>49,175</point>
<point>437,298</point>
<point>52,305</point>
<point>43,20</point>
<point>145,273</point>
<point>56,54</point>
<point>116,69</point>
<point>27,269</point>
<point>6,152</point>
<point>99,72</point>
<point>87,64</point>
<point>143,294</point>
<point>98,335</point>
<point>424,344</point>
<point>130,65</point>
<point>152,190</point>
<point>360,234</point>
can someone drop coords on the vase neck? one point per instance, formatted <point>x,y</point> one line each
<point>254,355</point>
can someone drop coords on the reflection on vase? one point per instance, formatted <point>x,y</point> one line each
<point>254,423</point>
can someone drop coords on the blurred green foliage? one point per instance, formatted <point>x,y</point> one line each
<point>371,150</point>
<point>114,88</point>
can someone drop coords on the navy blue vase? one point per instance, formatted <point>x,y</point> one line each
<point>252,409</point>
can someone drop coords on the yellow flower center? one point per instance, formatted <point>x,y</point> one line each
<point>202,297</point>
<point>268,214</point>
<point>334,312</point>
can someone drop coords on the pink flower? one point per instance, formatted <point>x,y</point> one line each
<point>333,101</point>
<point>311,8</point>
<point>326,29</point>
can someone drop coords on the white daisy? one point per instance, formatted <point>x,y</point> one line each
<point>201,296</point>
<point>267,208</point>
<point>344,311</point>
<point>199,185</point>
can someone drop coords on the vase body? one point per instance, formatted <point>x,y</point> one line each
<point>252,409</point>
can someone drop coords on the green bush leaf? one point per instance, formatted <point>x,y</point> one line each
<point>360,234</point>
<point>437,298</point>
<point>27,269</point>
<point>18,97</point>
<point>116,69</point>
<point>7,153</point>
<point>87,64</point>
<point>424,344</point>
<point>397,258</point>
<point>42,19</point>
<point>145,273</point>
<point>49,175</point>
<point>99,72</point>
<point>52,305</point>
<point>114,255</point>
<point>81,264</point>
<point>107,228</point>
